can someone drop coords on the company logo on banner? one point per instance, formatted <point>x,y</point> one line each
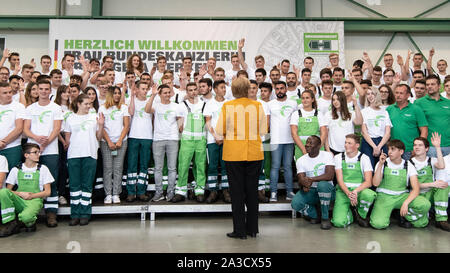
<point>276,41</point>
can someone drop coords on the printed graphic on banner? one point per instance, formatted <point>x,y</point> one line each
<point>201,40</point>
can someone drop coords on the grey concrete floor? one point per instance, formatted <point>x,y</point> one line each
<point>206,233</point>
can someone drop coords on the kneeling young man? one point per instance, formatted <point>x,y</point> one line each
<point>391,179</point>
<point>434,191</point>
<point>33,181</point>
<point>315,172</point>
<point>354,177</point>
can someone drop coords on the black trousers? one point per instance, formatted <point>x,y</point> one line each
<point>243,181</point>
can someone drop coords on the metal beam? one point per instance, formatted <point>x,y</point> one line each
<point>386,48</point>
<point>300,8</point>
<point>367,8</point>
<point>366,25</point>
<point>431,9</point>
<point>97,8</point>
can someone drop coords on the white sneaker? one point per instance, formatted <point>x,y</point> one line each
<point>108,199</point>
<point>62,200</point>
<point>273,197</point>
<point>116,199</point>
<point>289,196</point>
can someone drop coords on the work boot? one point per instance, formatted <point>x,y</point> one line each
<point>226,196</point>
<point>312,220</point>
<point>74,222</point>
<point>200,198</point>
<point>325,224</point>
<point>177,198</point>
<point>51,220</point>
<point>143,197</point>
<point>131,198</point>
<point>31,228</point>
<point>444,225</point>
<point>404,223</point>
<point>10,229</point>
<point>84,221</point>
<point>212,197</point>
<point>262,197</point>
<point>191,195</point>
<point>361,221</point>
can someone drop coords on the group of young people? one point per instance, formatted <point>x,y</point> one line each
<point>359,138</point>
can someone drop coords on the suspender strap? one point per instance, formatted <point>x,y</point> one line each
<point>189,109</point>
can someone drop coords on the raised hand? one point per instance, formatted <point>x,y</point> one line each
<point>6,53</point>
<point>436,139</point>
<point>400,60</point>
<point>241,43</point>
<point>383,158</point>
<point>101,120</point>
<point>33,63</point>
<point>432,52</point>
<point>202,71</point>
<point>397,78</point>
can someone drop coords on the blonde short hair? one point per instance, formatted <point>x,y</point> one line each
<point>378,101</point>
<point>240,87</point>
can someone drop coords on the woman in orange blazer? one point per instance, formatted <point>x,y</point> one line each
<point>241,123</point>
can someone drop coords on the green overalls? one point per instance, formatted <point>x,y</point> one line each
<point>307,126</point>
<point>391,194</point>
<point>193,144</point>
<point>353,177</point>
<point>436,196</point>
<point>12,203</point>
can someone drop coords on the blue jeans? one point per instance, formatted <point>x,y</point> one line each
<point>368,150</point>
<point>432,151</point>
<point>281,153</point>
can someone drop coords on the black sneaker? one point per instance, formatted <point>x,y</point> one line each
<point>84,221</point>
<point>404,223</point>
<point>74,222</point>
<point>31,228</point>
<point>325,224</point>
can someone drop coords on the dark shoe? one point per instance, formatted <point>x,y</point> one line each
<point>191,195</point>
<point>51,220</point>
<point>10,229</point>
<point>74,222</point>
<point>252,234</point>
<point>361,222</point>
<point>404,223</point>
<point>84,221</point>
<point>326,224</point>
<point>312,220</point>
<point>200,198</point>
<point>143,197</point>
<point>444,225</point>
<point>226,196</point>
<point>262,196</point>
<point>131,198</point>
<point>212,197</point>
<point>236,236</point>
<point>177,198</point>
<point>31,228</point>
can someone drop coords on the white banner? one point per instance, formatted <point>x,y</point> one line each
<point>174,39</point>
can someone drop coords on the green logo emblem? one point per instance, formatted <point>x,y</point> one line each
<point>112,114</point>
<point>377,119</point>
<point>284,108</point>
<point>45,113</point>
<point>67,114</point>
<point>141,112</point>
<point>316,168</point>
<point>2,113</point>
<point>167,113</point>
<point>85,123</point>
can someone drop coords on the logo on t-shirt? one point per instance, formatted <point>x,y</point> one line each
<point>43,114</point>
<point>377,119</point>
<point>316,168</point>
<point>284,108</point>
<point>113,113</point>
<point>2,113</point>
<point>167,113</point>
<point>140,112</point>
<point>86,123</point>
<point>67,114</point>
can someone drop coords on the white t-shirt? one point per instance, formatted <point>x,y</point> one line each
<point>212,109</point>
<point>141,122</point>
<point>166,125</point>
<point>9,113</point>
<point>337,130</point>
<point>157,77</point>
<point>16,97</point>
<point>66,76</point>
<point>229,93</point>
<point>3,166</point>
<point>315,166</point>
<point>178,97</point>
<point>182,111</point>
<point>376,121</point>
<point>366,165</point>
<point>83,138</point>
<point>42,119</point>
<point>411,169</point>
<point>323,105</point>
<point>280,117</point>
<point>306,114</point>
<point>114,121</point>
<point>229,74</point>
<point>444,174</point>
<point>45,177</point>
<point>293,95</point>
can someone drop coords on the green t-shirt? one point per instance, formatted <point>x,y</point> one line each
<point>438,117</point>
<point>406,123</point>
